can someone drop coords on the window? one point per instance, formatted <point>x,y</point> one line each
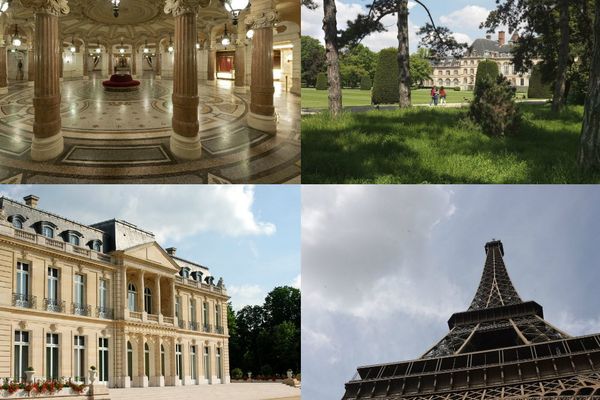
<point>79,358</point>
<point>52,301</point>
<point>73,239</point>
<point>97,246</point>
<point>448,72</point>
<point>21,355</point>
<point>178,361</point>
<point>146,360</point>
<point>193,310</point>
<point>193,362</point>
<point>206,363</point>
<point>178,306</point>
<point>218,363</point>
<point>48,231</point>
<point>103,295</point>
<point>162,360</point>
<point>148,300</point>
<point>22,281</point>
<point>79,295</point>
<point>103,359</point>
<point>52,356</point>
<point>17,223</point>
<point>131,297</point>
<point>522,82</point>
<point>205,313</point>
<point>218,315</point>
<point>506,69</point>
<point>465,71</point>
<point>129,360</point>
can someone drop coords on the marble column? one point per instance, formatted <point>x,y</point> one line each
<point>134,63</point>
<point>30,67</point>
<point>110,62</point>
<point>47,136</point>
<point>185,140</point>
<point>262,113</point>
<point>240,70</point>
<point>84,60</point>
<point>156,310</point>
<point>158,66</point>
<point>140,303</point>
<point>296,66</point>
<point>3,72</point>
<point>211,64</point>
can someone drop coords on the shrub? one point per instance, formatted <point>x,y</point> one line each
<point>494,107</point>
<point>365,83</point>
<point>386,82</point>
<point>266,370</point>
<point>237,373</point>
<point>486,69</point>
<point>457,88</point>
<point>322,83</point>
<point>537,88</point>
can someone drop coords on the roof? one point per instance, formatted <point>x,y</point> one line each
<point>121,235</point>
<point>480,46</point>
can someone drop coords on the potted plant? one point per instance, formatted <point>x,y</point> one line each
<point>92,373</point>
<point>29,373</point>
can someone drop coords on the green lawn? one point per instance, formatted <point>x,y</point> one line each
<point>420,145</point>
<point>313,98</point>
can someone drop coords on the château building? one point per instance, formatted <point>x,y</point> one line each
<point>106,295</point>
<point>461,72</point>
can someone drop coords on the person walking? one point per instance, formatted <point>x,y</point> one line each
<point>434,96</point>
<point>442,96</point>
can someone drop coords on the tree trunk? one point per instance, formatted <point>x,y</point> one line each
<point>589,149</point>
<point>560,98</point>
<point>331,52</point>
<point>403,54</point>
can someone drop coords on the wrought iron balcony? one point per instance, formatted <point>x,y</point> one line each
<point>82,309</point>
<point>194,326</point>
<point>104,312</point>
<point>54,305</point>
<point>207,328</point>
<point>21,300</point>
<point>181,324</point>
<point>220,330</point>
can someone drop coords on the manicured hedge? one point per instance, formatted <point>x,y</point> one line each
<point>386,83</point>
<point>322,83</point>
<point>365,83</point>
<point>537,88</point>
<point>486,69</point>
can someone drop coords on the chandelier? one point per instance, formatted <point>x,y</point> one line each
<point>98,50</point>
<point>146,50</point>
<point>16,39</point>
<point>170,48</point>
<point>250,33</point>
<point>73,48</point>
<point>235,7</point>
<point>122,49</point>
<point>225,41</point>
<point>115,7</point>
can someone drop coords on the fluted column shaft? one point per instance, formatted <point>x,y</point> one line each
<point>47,142</point>
<point>30,66</point>
<point>240,70</point>
<point>110,62</point>
<point>158,61</point>
<point>3,73</point>
<point>261,89</point>
<point>212,61</point>
<point>134,63</point>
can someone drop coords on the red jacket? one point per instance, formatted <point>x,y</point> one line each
<point>442,92</point>
<point>433,92</point>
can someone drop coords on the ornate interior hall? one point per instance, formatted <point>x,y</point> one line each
<point>150,91</point>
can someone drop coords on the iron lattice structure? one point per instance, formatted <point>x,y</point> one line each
<point>500,348</point>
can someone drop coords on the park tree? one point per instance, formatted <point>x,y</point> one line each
<point>360,56</point>
<point>420,69</point>
<point>589,150</point>
<point>332,56</point>
<point>313,59</point>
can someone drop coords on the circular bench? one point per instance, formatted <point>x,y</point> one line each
<point>121,83</point>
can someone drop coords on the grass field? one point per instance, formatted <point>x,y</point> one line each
<point>313,98</point>
<point>426,145</point>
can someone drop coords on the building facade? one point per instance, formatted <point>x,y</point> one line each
<point>105,295</point>
<point>461,73</point>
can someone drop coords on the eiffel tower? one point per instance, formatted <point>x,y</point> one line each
<point>500,348</point>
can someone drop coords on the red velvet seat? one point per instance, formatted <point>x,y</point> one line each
<point>121,82</point>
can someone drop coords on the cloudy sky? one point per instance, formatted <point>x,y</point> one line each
<point>461,16</point>
<point>248,235</point>
<point>383,268</point>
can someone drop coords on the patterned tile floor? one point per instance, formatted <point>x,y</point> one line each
<point>124,137</point>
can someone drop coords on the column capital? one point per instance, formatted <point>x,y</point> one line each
<point>53,7</point>
<point>180,7</point>
<point>266,19</point>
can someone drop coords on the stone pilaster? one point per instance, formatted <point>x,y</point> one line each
<point>47,136</point>
<point>240,70</point>
<point>134,63</point>
<point>185,140</point>
<point>262,113</point>
<point>30,67</point>
<point>109,54</point>
<point>211,64</point>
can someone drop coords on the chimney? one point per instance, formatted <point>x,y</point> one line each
<point>501,38</point>
<point>31,200</point>
<point>515,37</point>
<point>171,251</point>
<point>488,36</point>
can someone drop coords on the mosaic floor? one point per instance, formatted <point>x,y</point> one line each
<point>124,137</point>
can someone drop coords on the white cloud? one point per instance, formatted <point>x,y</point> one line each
<point>172,213</point>
<point>462,38</point>
<point>296,282</point>
<point>246,295</point>
<point>575,326</point>
<point>467,18</point>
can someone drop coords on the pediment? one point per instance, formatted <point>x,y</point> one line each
<point>152,252</point>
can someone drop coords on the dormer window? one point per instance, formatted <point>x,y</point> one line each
<point>48,231</point>
<point>184,272</point>
<point>17,221</point>
<point>97,246</point>
<point>72,237</point>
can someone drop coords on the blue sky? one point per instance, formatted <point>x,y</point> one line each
<point>249,235</point>
<point>461,16</point>
<point>384,267</point>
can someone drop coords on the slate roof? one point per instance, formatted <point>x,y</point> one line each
<point>480,46</point>
<point>122,235</point>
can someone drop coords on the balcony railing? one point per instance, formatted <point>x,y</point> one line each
<point>82,309</point>
<point>21,300</point>
<point>207,328</point>
<point>220,329</point>
<point>200,285</point>
<point>194,326</point>
<point>54,305</point>
<point>135,315</point>
<point>153,317</point>
<point>181,324</point>
<point>104,312</point>
<point>168,320</point>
